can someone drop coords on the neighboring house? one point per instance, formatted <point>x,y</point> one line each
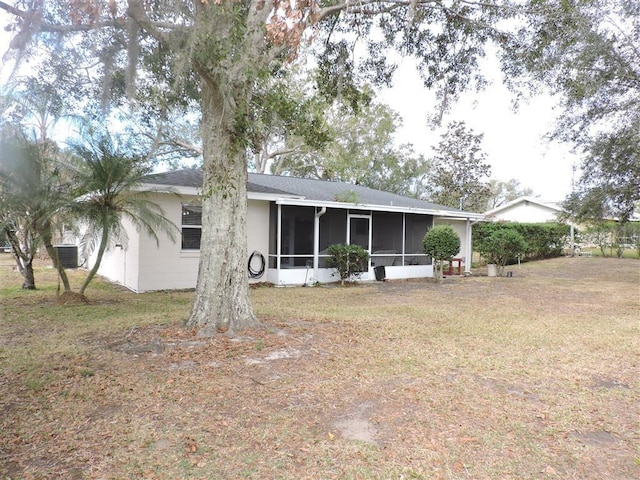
<point>290,223</point>
<point>525,210</point>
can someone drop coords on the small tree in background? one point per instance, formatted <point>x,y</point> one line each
<point>459,171</point>
<point>349,261</point>
<point>441,243</point>
<point>502,247</point>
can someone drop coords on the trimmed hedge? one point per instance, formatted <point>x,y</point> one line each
<point>544,240</point>
<point>441,243</point>
<point>350,261</point>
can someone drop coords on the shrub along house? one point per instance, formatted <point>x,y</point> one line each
<point>290,223</point>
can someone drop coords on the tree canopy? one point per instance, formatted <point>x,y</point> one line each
<point>163,59</point>
<point>360,150</point>
<point>503,192</point>
<point>589,54</point>
<point>459,177</point>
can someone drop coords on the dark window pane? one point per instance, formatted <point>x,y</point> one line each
<point>417,260</point>
<point>386,260</point>
<point>273,230</point>
<point>359,232</point>
<point>191,238</point>
<point>296,262</point>
<point>191,214</point>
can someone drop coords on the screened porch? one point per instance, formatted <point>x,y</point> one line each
<point>300,235</point>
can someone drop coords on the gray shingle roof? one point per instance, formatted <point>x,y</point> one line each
<point>310,189</point>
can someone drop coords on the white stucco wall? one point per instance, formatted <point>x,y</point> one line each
<point>258,234</point>
<point>459,226</point>
<point>120,262</point>
<point>164,265</point>
<point>143,265</point>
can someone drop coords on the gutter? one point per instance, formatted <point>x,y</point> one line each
<point>382,208</point>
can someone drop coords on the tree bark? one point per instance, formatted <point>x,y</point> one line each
<point>29,282</point>
<point>47,240</point>
<point>222,303</point>
<point>24,261</point>
<point>101,249</point>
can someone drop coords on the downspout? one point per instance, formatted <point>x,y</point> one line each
<point>316,240</point>
<point>469,246</point>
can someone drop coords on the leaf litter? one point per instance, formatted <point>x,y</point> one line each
<point>387,380</point>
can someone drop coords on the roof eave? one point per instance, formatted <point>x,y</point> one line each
<point>270,197</point>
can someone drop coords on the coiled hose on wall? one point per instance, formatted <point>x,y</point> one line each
<point>253,273</point>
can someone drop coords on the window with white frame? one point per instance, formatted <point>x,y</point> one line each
<point>191,226</point>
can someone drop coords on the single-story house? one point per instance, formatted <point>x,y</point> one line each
<point>525,210</point>
<point>290,223</point>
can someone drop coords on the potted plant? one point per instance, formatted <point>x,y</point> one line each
<point>501,248</point>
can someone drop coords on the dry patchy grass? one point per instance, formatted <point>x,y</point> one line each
<point>535,376</point>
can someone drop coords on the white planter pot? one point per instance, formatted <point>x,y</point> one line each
<point>492,270</point>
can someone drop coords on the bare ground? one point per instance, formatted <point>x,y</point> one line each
<point>535,376</point>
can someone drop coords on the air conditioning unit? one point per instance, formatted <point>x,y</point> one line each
<point>67,255</point>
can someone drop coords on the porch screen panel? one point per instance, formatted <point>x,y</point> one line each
<point>386,239</point>
<point>333,230</point>
<point>416,228</point>
<point>191,227</point>
<point>297,236</point>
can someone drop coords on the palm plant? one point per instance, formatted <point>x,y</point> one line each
<point>33,194</point>
<point>111,179</point>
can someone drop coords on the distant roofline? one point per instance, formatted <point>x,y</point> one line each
<point>550,206</point>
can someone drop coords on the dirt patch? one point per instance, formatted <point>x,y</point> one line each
<point>356,425</point>
<point>596,439</point>
<point>72,298</point>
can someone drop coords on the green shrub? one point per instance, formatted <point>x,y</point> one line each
<point>441,243</point>
<point>350,261</point>
<point>544,240</point>
<point>502,247</point>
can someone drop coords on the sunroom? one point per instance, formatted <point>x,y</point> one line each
<point>299,236</point>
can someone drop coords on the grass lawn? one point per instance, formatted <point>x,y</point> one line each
<point>531,377</point>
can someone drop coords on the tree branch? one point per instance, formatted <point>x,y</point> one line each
<point>136,11</point>
<point>13,10</point>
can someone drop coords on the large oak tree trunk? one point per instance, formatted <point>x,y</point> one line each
<point>222,302</point>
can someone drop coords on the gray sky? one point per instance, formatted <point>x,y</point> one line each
<point>513,141</point>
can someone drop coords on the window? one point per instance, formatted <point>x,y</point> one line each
<point>191,226</point>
